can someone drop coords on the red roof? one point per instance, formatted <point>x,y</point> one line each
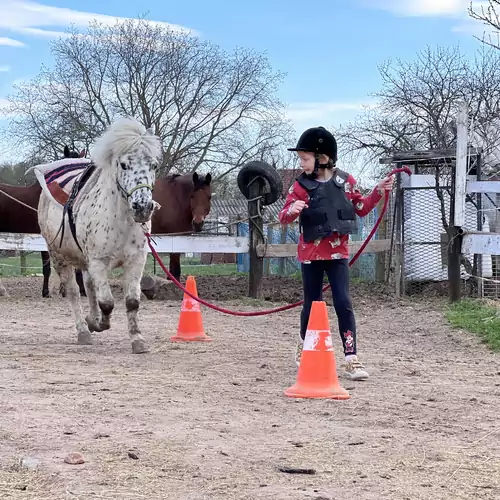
<point>288,176</point>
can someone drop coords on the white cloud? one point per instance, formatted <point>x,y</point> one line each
<point>33,18</point>
<point>9,42</point>
<point>312,114</point>
<point>4,69</point>
<point>421,8</point>
<point>451,9</point>
<point>41,32</point>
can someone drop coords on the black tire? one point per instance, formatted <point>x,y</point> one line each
<point>270,182</point>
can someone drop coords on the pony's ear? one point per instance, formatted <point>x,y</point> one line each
<point>83,153</point>
<point>196,178</point>
<point>66,152</point>
<point>208,179</point>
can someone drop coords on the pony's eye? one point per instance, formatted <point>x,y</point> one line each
<point>123,165</point>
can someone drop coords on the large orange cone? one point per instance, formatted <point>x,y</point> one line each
<point>317,373</point>
<point>190,327</point>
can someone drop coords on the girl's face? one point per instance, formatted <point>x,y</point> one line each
<point>306,161</point>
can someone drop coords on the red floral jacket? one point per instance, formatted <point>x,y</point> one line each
<point>334,246</point>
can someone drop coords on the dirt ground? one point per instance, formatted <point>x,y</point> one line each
<point>197,421</point>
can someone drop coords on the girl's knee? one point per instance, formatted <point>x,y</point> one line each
<point>343,303</point>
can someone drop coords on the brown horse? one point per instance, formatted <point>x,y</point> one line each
<point>16,217</point>
<point>185,202</point>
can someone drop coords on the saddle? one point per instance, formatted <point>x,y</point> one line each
<point>60,181</point>
<point>65,183</point>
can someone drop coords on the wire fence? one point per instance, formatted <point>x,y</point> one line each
<point>364,269</point>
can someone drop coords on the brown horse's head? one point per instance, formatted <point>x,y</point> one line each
<point>200,199</point>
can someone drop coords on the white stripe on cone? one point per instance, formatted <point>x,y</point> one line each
<point>190,305</point>
<point>313,338</point>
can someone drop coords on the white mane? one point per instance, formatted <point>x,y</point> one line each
<point>122,136</point>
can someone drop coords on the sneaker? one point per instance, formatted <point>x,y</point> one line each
<point>353,370</point>
<point>298,351</point>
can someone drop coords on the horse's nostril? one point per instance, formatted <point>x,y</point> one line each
<point>135,206</point>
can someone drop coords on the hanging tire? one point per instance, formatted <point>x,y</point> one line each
<point>270,182</point>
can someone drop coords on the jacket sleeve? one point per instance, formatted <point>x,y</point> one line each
<point>363,205</point>
<point>295,193</point>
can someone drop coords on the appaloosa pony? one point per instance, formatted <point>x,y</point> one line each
<point>18,205</point>
<point>101,225</point>
<point>185,202</point>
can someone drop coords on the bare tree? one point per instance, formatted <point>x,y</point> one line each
<point>209,107</point>
<point>418,102</point>
<point>417,108</point>
<point>488,14</point>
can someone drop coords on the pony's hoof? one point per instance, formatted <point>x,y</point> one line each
<point>84,338</point>
<point>139,347</point>
<point>93,324</point>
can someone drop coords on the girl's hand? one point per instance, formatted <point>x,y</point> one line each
<point>296,207</point>
<point>386,184</point>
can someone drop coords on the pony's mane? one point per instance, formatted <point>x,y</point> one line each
<point>122,136</point>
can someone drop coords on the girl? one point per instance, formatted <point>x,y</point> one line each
<point>327,202</point>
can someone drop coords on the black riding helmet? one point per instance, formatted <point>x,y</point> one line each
<point>319,141</point>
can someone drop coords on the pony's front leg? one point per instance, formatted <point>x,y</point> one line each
<point>67,276</point>
<point>132,273</point>
<point>98,272</point>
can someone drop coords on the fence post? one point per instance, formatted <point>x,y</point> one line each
<point>23,263</point>
<point>399,250</point>
<point>457,215</point>
<point>256,237</point>
<point>282,262</point>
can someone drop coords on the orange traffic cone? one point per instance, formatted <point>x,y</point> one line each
<point>190,327</point>
<point>317,373</point>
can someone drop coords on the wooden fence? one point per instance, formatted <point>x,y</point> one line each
<point>204,244</point>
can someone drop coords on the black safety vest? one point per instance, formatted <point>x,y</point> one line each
<point>329,210</point>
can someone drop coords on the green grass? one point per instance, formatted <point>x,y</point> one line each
<point>11,266</point>
<point>477,317</point>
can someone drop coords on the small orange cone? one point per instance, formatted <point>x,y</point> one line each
<point>190,327</point>
<point>317,373</point>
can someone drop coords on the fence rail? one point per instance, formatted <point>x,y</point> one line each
<point>26,242</point>
<point>163,243</point>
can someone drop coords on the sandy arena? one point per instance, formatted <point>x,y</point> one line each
<point>197,421</point>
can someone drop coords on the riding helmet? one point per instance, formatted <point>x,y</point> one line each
<point>319,141</point>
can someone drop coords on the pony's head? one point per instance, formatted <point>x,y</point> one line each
<point>74,154</point>
<point>200,199</point>
<point>133,154</point>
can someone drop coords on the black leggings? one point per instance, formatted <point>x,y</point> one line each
<point>337,272</point>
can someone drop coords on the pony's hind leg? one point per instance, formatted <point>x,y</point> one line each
<point>132,287</point>
<point>80,282</point>
<point>93,320</point>
<point>67,276</point>
<point>46,273</point>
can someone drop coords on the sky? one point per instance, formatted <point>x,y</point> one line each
<point>328,49</point>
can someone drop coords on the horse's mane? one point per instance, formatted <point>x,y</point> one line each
<point>172,177</point>
<point>122,136</point>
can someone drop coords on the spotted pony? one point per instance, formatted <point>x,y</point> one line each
<point>101,225</point>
